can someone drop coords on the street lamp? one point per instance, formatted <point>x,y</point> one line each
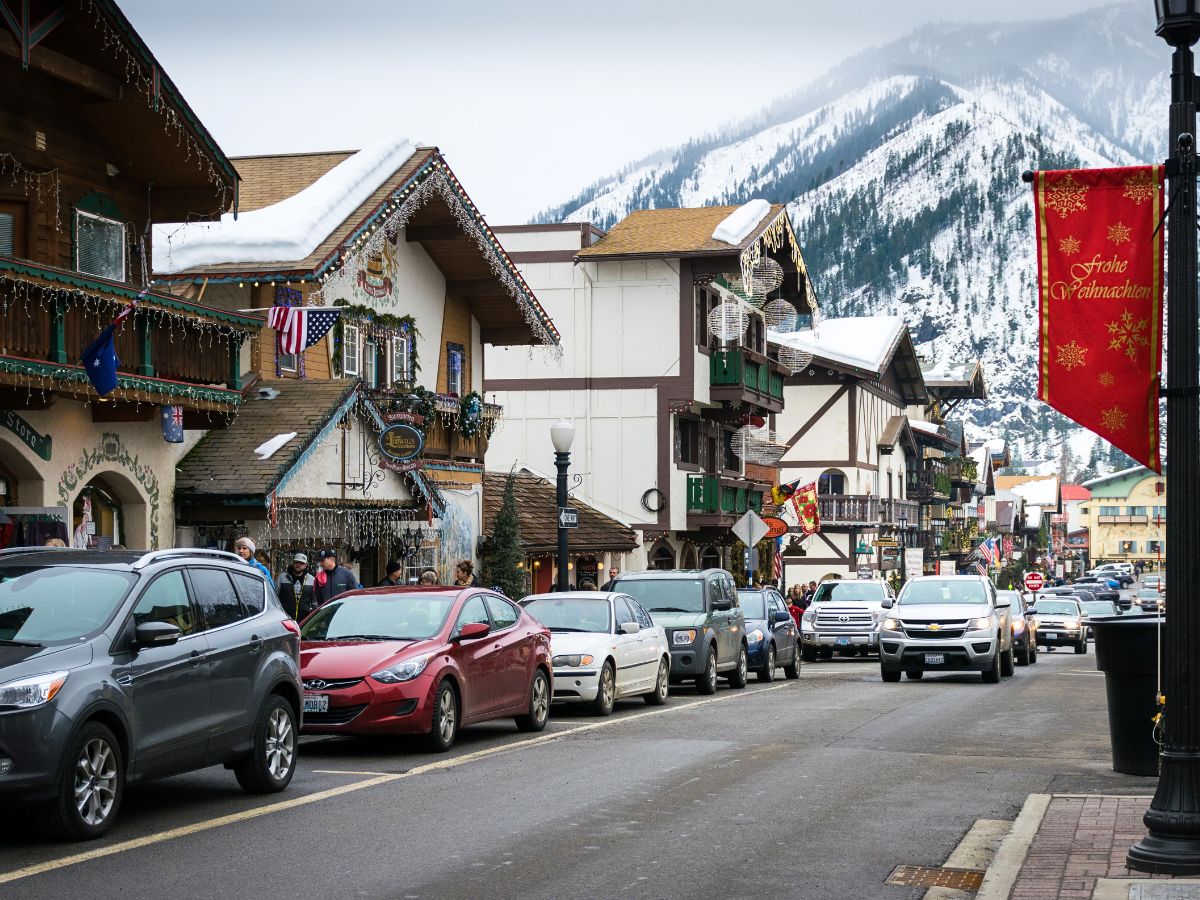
<point>903,520</point>
<point>562,435</point>
<point>1173,820</point>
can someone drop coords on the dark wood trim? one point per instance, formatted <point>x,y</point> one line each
<point>852,449</point>
<point>816,417</point>
<point>63,68</point>
<point>830,464</point>
<point>477,287</point>
<point>880,391</point>
<point>836,552</point>
<point>416,233</point>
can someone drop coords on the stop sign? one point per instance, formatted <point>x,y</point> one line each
<point>1034,581</point>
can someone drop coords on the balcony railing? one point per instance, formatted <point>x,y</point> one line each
<point>443,433</point>
<point>848,509</point>
<point>928,485</point>
<point>962,470</point>
<point>712,495</point>
<point>734,371</point>
<point>1123,520</point>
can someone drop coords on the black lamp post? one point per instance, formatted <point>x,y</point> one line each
<point>562,435</point>
<point>1173,820</point>
<point>903,520</point>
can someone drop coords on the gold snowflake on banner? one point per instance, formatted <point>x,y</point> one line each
<point>1114,419</point>
<point>1069,245</point>
<point>1066,196</point>
<point>1140,187</point>
<point>1120,233</point>
<point>1106,379</point>
<point>1072,356</point>
<point>1127,334</point>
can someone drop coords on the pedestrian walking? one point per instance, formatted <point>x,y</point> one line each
<point>338,579</point>
<point>394,576</point>
<point>612,579</point>
<point>794,607</point>
<point>244,547</point>
<point>464,574</point>
<point>296,588</point>
<point>428,577</point>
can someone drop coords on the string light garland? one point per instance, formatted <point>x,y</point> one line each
<point>381,327</point>
<point>30,181</point>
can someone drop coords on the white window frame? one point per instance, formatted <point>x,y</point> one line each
<point>81,213</point>
<point>400,358</point>
<point>350,350</point>
<point>370,366</point>
<point>426,557</point>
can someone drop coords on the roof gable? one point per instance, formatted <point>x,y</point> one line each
<point>673,232</point>
<point>537,513</point>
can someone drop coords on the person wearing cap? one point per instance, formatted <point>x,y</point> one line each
<point>244,547</point>
<point>296,588</point>
<point>338,579</point>
<point>394,576</point>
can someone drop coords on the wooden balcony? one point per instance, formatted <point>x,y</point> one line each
<point>962,471</point>
<point>850,509</point>
<point>738,375</point>
<point>713,500</point>
<point>443,437</point>
<point>928,486</point>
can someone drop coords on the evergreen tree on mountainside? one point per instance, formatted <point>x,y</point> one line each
<point>1066,462</point>
<point>504,561</point>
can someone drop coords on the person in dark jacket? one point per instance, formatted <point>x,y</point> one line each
<point>296,588</point>
<point>394,576</point>
<point>613,573</point>
<point>338,579</point>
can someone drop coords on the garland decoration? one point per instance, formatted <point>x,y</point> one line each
<point>380,326</point>
<point>470,416</point>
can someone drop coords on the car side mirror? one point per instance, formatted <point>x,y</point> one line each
<point>1001,603</point>
<point>722,605</point>
<point>472,630</point>
<point>156,634</point>
<point>1032,611</point>
<point>782,615</point>
<point>630,628</point>
<point>887,603</point>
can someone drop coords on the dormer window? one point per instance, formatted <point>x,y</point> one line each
<point>99,246</point>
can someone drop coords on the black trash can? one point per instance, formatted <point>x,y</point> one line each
<point>1126,652</point>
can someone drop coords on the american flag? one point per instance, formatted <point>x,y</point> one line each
<point>981,569</point>
<point>778,559</point>
<point>300,327</point>
<point>988,550</point>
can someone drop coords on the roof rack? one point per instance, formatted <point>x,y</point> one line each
<point>177,552</point>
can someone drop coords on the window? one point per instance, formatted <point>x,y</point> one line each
<point>216,597</point>
<point>716,592</point>
<point>1135,510</point>
<point>623,613</point>
<point>370,364</point>
<point>287,361</point>
<point>350,360</point>
<point>425,558</point>
<point>1128,546</point>
<point>99,246</point>
<point>504,615</point>
<point>730,462</point>
<point>639,613</point>
<point>401,354</point>
<point>166,600</point>
<point>687,441</point>
<point>1154,547</point>
<point>1110,510</point>
<point>251,592</point>
<point>473,611</point>
<point>455,362</point>
<point>831,482</point>
<point>12,229</point>
<point>706,302</point>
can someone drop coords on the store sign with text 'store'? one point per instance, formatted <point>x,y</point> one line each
<point>400,447</point>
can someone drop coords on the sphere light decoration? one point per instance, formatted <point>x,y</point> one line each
<point>766,276</point>
<point>794,359</point>
<point>728,321</point>
<point>781,315</point>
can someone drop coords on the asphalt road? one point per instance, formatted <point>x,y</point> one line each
<point>812,788</point>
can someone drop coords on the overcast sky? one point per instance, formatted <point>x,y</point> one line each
<point>530,100</point>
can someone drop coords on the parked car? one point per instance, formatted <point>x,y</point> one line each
<point>844,618</point>
<point>604,646</point>
<point>1123,575</point>
<point>1154,581</point>
<point>1095,608</point>
<point>704,623</point>
<point>947,623</point>
<point>1060,623</point>
<point>1024,628</point>
<point>423,660</point>
<point>1149,599</point>
<point>1104,592</point>
<point>771,637</point>
<point>124,666</point>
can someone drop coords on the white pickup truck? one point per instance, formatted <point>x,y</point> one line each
<point>843,618</point>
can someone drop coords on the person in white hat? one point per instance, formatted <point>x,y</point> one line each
<point>244,547</point>
<point>295,587</point>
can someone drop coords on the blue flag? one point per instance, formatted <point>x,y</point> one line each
<point>100,362</point>
<point>172,423</point>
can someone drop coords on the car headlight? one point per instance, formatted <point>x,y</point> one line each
<point>683,637</point>
<point>1070,623</point>
<point>573,661</point>
<point>982,623</point>
<point>890,624</point>
<point>755,636</point>
<point>809,616</point>
<point>30,692</point>
<point>403,671</point>
<point>1018,625</point>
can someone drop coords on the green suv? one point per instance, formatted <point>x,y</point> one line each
<point>704,623</point>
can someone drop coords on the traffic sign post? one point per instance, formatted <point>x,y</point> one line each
<point>568,517</point>
<point>1034,582</point>
<point>750,529</point>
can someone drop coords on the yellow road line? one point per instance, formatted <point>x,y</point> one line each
<point>376,779</point>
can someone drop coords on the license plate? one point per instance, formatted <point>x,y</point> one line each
<point>935,659</point>
<point>843,642</point>
<point>316,703</point>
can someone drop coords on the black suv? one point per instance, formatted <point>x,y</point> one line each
<point>122,666</point>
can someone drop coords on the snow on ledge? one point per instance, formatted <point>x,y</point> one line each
<point>287,231</point>
<point>736,226</point>
<point>860,341</point>
<point>268,449</point>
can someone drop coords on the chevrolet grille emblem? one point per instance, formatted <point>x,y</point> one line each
<point>935,627</point>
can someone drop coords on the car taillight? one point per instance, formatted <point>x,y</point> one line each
<point>293,626</point>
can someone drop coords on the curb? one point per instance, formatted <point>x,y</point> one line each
<point>1002,873</point>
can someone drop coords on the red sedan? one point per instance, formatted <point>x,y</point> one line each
<point>423,661</point>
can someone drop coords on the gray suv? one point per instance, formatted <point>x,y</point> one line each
<point>120,666</point>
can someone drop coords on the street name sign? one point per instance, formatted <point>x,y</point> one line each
<point>1034,581</point>
<point>750,529</point>
<point>568,517</point>
<point>885,542</point>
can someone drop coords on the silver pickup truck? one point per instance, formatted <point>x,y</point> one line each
<point>842,618</point>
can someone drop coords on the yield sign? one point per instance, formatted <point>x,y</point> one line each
<point>750,528</point>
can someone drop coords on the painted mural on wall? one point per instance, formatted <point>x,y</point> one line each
<point>112,450</point>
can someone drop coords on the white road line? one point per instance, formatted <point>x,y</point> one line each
<point>1080,674</point>
<point>374,780</point>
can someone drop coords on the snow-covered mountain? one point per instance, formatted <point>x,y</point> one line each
<point>902,170</point>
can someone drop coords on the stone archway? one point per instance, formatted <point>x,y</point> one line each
<point>27,487</point>
<point>134,484</point>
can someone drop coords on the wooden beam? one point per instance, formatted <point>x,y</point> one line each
<point>415,233</point>
<point>477,287</point>
<point>64,68</point>
<point>506,337</point>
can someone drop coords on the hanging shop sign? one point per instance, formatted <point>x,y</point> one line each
<point>776,527</point>
<point>401,442</point>
<point>406,418</point>
<point>38,443</point>
<point>392,466</point>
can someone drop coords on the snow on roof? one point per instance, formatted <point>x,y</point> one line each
<point>1114,475</point>
<point>931,427</point>
<point>865,342</point>
<point>1039,491</point>
<point>285,231</point>
<point>736,226</point>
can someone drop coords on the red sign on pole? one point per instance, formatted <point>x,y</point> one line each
<point>1034,581</point>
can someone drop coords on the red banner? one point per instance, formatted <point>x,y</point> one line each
<point>804,502</point>
<point>1100,267</point>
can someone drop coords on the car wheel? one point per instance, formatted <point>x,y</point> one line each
<point>1006,663</point>
<point>1081,647</point>
<point>741,672</point>
<point>662,687</point>
<point>444,730</point>
<point>707,682</point>
<point>792,669</point>
<point>991,675</point>
<point>808,654</point>
<point>606,691</point>
<point>1023,653</point>
<point>271,762</point>
<point>539,704</point>
<point>767,672</point>
<point>91,786</point>
<point>888,675</point>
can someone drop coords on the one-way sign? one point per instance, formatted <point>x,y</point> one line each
<point>568,517</point>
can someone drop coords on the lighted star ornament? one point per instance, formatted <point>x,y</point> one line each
<point>1072,355</point>
<point>1127,334</point>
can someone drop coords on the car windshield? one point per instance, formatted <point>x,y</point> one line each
<point>58,604</point>
<point>1099,608</point>
<point>870,591</point>
<point>932,590</point>
<point>665,594</point>
<point>570,613</point>
<point>1057,608</point>
<point>379,617</point>
<point>1013,597</point>
<point>753,603</point>
<point>1145,593</point>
